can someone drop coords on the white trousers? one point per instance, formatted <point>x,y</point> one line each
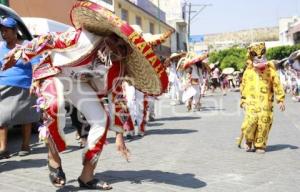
<point>85,99</point>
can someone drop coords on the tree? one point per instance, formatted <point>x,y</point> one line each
<point>232,57</point>
<point>281,52</point>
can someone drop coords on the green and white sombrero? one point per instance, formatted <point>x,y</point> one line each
<point>143,66</point>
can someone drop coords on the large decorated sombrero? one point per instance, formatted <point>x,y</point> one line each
<point>143,66</point>
<point>157,39</point>
<point>153,40</point>
<point>190,59</point>
<point>177,55</point>
<point>294,55</point>
<point>281,63</point>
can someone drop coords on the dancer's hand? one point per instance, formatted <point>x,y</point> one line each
<point>281,106</point>
<point>8,62</point>
<point>35,87</point>
<point>243,106</point>
<point>121,147</point>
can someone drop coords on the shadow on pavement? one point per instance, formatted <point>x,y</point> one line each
<point>176,118</point>
<point>211,109</point>
<point>138,177</point>
<point>186,180</point>
<point>152,124</point>
<point>279,147</point>
<point>22,164</point>
<point>15,140</point>
<point>169,131</point>
<point>112,140</point>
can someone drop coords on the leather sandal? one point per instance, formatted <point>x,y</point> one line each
<point>94,184</point>
<point>57,176</point>
<point>4,154</point>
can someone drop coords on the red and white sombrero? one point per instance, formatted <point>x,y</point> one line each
<point>153,40</point>
<point>177,55</point>
<point>143,66</point>
<point>157,39</point>
<point>190,59</point>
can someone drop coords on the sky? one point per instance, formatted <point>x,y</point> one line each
<point>235,15</point>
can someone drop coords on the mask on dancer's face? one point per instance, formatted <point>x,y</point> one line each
<point>118,47</point>
<point>257,53</point>
<point>111,49</point>
<point>260,63</point>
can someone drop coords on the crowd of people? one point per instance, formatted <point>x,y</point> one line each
<point>190,77</point>
<point>190,74</point>
<point>111,81</point>
<point>289,73</point>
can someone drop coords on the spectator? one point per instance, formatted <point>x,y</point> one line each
<point>230,81</point>
<point>79,123</point>
<point>224,83</point>
<point>16,104</point>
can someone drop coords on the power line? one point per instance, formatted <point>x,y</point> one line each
<point>197,12</point>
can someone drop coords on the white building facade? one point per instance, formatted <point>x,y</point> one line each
<point>175,18</point>
<point>285,26</point>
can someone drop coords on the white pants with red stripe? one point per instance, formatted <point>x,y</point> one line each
<point>85,99</point>
<point>141,111</point>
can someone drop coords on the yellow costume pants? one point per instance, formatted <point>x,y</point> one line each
<point>256,127</point>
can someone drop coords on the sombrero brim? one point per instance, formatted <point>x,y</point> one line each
<point>294,55</point>
<point>281,63</point>
<point>177,55</point>
<point>211,66</point>
<point>180,63</point>
<point>142,65</point>
<point>157,39</point>
<point>206,66</point>
<point>194,60</point>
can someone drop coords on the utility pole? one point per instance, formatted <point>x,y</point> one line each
<point>197,12</point>
<point>159,20</point>
<point>158,14</point>
<point>189,22</point>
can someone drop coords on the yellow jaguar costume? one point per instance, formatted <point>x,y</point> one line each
<point>257,92</point>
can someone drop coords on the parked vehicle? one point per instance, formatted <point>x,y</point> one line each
<point>22,29</point>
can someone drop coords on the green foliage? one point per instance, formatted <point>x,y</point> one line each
<point>232,57</point>
<point>281,52</point>
<point>236,57</point>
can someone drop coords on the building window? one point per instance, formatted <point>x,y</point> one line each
<point>151,28</point>
<point>108,1</point>
<point>177,41</point>
<point>138,21</point>
<point>124,15</point>
<point>296,37</point>
<point>105,1</point>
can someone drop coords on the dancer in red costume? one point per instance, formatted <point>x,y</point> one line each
<point>81,65</point>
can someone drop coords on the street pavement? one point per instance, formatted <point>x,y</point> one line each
<point>182,151</point>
